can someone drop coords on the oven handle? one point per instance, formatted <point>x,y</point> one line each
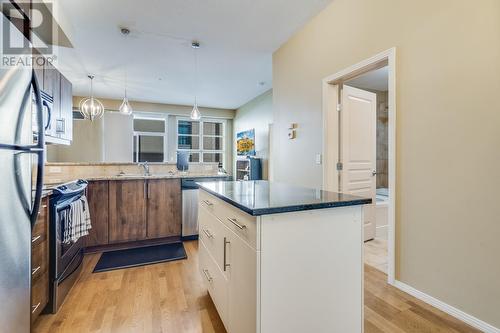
<point>60,206</point>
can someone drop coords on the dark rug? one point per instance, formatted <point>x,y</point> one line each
<point>140,256</point>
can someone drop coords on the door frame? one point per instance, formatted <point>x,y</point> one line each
<point>331,138</point>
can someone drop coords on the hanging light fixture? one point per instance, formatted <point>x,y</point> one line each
<point>195,113</point>
<point>91,108</point>
<point>125,108</point>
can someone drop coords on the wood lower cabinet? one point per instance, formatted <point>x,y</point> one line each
<point>124,211</point>
<point>164,208</point>
<point>127,210</point>
<point>97,197</point>
<point>40,262</point>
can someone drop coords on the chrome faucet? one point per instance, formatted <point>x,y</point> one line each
<point>145,166</point>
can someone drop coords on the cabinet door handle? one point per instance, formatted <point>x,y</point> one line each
<point>207,275</point>
<point>226,265</point>
<point>34,239</point>
<point>208,233</point>
<point>33,271</point>
<point>35,307</point>
<point>208,203</point>
<point>238,225</point>
<point>145,190</point>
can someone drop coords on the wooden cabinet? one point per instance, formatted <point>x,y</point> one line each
<point>97,197</point>
<point>66,109</point>
<point>40,262</point>
<point>53,83</point>
<point>127,210</point>
<point>164,208</point>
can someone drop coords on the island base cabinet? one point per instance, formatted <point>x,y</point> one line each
<point>215,282</point>
<point>228,265</point>
<point>303,271</point>
<point>242,261</point>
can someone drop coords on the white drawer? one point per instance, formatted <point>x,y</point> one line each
<point>212,232</point>
<point>243,224</point>
<point>217,285</point>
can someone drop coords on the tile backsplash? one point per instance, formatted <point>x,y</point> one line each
<point>56,173</point>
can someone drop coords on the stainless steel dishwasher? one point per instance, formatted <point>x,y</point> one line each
<point>190,205</point>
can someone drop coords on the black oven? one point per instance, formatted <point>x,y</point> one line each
<point>65,257</point>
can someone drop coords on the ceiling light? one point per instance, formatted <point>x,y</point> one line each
<point>195,113</point>
<point>125,108</point>
<point>91,108</point>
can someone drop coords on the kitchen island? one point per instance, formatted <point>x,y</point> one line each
<point>282,258</point>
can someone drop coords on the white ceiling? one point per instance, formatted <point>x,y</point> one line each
<point>374,80</point>
<point>237,40</point>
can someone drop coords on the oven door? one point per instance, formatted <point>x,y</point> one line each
<point>64,252</point>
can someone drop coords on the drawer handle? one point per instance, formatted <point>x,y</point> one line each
<point>44,206</point>
<point>226,265</point>
<point>35,307</point>
<point>235,222</point>
<point>208,233</point>
<point>34,239</point>
<point>208,203</point>
<point>207,275</point>
<point>33,271</point>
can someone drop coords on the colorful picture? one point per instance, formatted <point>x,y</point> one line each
<point>245,141</point>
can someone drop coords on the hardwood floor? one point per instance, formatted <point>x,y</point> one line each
<point>170,297</point>
<point>376,254</point>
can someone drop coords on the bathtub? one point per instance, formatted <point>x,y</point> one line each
<point>381,213</point>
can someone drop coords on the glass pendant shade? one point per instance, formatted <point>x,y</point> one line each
<point>125,108</point>
<point>195,113</point>
<point>91,108</point>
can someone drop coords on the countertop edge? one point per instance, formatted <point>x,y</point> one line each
<point>286,209</point>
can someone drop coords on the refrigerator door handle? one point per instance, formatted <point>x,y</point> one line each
<point>39,150</point>
<point>49,115</point>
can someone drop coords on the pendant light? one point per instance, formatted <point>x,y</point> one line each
<point>125,108</point>
<point>91,108</point>
<point>195,113</point>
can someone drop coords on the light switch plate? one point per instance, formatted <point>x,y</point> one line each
<point>319,159</point>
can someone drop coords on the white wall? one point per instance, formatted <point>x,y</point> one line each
<point>257,114</point>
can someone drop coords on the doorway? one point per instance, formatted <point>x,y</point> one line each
<point>359,113</point>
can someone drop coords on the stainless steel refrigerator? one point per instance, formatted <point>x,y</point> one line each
<point>21,172</point>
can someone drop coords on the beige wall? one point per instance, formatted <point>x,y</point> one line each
<point>114,105</point>
<point>448,141</point>
<point>258,114</point>
<point>103,140</point>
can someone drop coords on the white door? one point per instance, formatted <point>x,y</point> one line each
<point>358,149</point>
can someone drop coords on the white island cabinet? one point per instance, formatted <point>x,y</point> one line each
<point>277,258</point>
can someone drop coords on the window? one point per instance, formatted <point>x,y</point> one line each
<point>204,140</point>
<point>149,139</point>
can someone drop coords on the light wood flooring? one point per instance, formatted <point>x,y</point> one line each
<point>376,254</point>
<point>170,297</point>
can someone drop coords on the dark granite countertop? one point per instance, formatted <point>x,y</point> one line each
<point>264,198</point>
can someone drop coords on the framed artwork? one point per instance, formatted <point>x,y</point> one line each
<point>245,143</point>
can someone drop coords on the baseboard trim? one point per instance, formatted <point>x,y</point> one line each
<point>452,311</point>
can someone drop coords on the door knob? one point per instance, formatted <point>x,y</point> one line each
<point>374,172</point>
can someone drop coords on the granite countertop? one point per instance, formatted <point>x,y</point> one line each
<point>262,197</point>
